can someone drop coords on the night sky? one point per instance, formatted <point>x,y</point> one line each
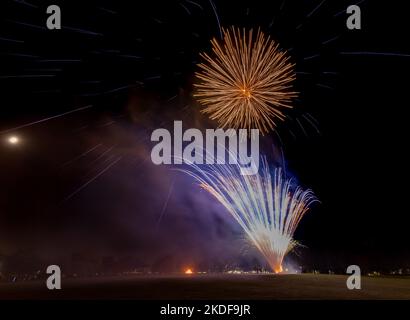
<point>80,189</point>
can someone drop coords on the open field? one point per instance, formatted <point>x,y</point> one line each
<point>212,286</point>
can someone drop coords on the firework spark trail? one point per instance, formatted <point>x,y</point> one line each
<point>26,3</point>
<point>344,11</point>
<point>165,206</point>
<point>280,10</point>
<point>108,10</point>
<point>312,118</point>
<point>311,13</point>
<point>312,57</point>
<point>109,123</point>
<point>315,9</point>
<point>92,179</point>
<point>28,76</point>
<point>80,129</point>
<point>267,207</point>
<point>301,126</point>
<point>11,40</point>
<point>46,119</point>
<point>81,155</point>
<point>217,17</point>
<point>102,155</point>
<point>130,56</point>
<point>108,159</point>
<point>196,4</point>
<point>44,69</point>
<point>247,83</point>
<point>282,5</point>
<point>324,86</point>
<point>330,40</point>
<point>83,31</point>
<point>185,8</point>
<point>279,138</point>
<point>114,90</point>
<point>311,123</point>
<point>283,160</point>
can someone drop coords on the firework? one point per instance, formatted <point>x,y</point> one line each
<point>267,207</point>
<point>247,83</point>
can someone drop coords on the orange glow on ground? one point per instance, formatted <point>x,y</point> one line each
<point>188,271</point>
<point>278,269</point>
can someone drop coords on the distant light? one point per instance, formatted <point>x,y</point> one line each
<point>188,271</point>
<point>13,140</point>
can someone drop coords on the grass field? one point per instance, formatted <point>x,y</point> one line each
<point>213,286</point>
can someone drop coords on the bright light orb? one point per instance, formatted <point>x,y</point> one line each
<point>188,271</point>
<point>13,140</point>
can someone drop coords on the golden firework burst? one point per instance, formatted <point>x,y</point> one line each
<point>247,82</point>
